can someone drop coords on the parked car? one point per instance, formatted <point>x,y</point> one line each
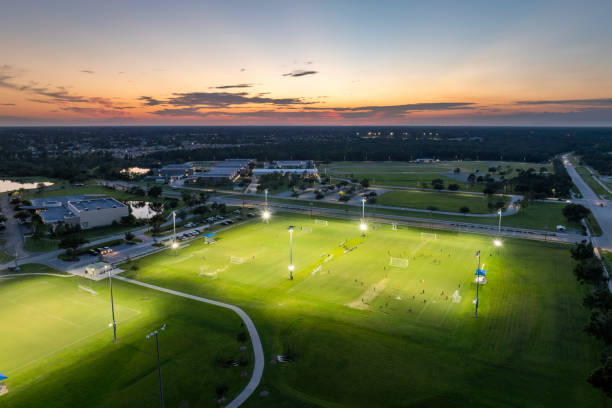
<point>93,252</point>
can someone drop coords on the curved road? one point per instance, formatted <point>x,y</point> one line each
<point>257,348</point>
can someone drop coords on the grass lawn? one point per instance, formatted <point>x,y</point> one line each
<point>361,333</point>
<point>443,201</point>
<point>410,180</point>
<point>58,349</point>
<point>40,244</point>
<point>4,257</point>
<point>538,215</point>
<point>595,186</point>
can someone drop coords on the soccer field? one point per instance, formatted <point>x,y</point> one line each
<point>360,332</point>
<point>57,346</point>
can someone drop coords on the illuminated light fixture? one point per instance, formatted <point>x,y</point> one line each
<point>266,215</point>
<point>363,226</point>
<point>497,243</point>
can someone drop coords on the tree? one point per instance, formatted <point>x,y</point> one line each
<point>582,251</point>
<point>182,214</point>
<point>156,221</point>
<point>22,216</point>
<point>453,187</point>
<point>602,377</point>
<point>575,212</point>
<point>365,183</point>
<point>2,218</point>
<point>471,178</point>
<point>457,170</point>
<point>71,241</point>
<point>155,191</point>
<point>438,184</point>
<point>156,207</point>
<point>129,236</point>
<point>600,326</point>
<point>600,299</point>
<point>589,271</point>
<point>464,210</point>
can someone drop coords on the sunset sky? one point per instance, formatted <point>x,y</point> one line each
<point>329,62</point>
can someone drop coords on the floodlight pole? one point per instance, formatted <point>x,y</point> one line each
<point>174,231</point>
<point>363,201</point>
<point>499,212</point>
<point>110,282</point>
<point>477,284</point>
<point>291,252</point>
<point>161,390</point>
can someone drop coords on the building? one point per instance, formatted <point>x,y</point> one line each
<point>292,164</point>
<point>226,172</point>
<point>176,171</point>
<point>87,211</point>
<point>304,168</point>
<point>96,269</point>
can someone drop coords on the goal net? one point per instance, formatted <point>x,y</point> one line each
<point>456,297</point>
<point>306,229</point>
<point>321,222</point>
<point>428,235</point>
<point>394,226</point>
<point>398,262</point>
<point>237,260</point>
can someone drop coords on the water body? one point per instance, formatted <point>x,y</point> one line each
<point>141,209</point>
<point>10,185</point>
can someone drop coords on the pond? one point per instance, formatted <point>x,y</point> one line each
<point>141,209</point>
<point>10,185</point>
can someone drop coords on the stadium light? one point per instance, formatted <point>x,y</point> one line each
<point>499,212</point>
<point>161,390</point>
<point>497,243</point>
<point>110,283</point>
<point>291,267</point>
<point>477,282</point>
<point>363,227</point>
<point>266,215</point>
<point>174,244</point>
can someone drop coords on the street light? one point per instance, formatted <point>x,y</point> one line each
<point>110,282</point>
<point>363,227</point>
<point>161,391</point>
<point>291,267</point>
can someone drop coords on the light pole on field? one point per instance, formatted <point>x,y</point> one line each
<point>110,282</point>
<point>499,212</point>
<point>266,213</point>
<point>291,267</point>
<point>174,243</point>
<point>161,390</point>
<point>477,282</point>
<point>363,225</point>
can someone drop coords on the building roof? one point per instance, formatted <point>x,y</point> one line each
<point>96,204</point>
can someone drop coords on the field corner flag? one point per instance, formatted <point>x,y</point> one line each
<point>3,377</point>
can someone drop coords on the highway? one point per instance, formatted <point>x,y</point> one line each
<point>589,199</point>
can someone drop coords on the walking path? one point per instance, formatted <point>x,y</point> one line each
<point>257,348</point>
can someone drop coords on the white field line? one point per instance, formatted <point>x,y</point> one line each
<point>255,340</point>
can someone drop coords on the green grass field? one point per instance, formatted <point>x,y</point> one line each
<point>443,201</point>
<point>404,174</point>
<point>57,347</point>
<point>362,333</point>
<point>595,186</point>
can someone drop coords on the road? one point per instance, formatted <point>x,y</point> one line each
<point>255,340</point>
<point>13,233</point>
<point>589,199</point>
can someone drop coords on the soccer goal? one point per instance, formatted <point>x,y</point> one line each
<point>398,262</point>
<point>456,297</point>
<point>321,222</point>
<point>428,235</point>
<point>237,260</point>
<point>306,229</point>
<point>394,226</point>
